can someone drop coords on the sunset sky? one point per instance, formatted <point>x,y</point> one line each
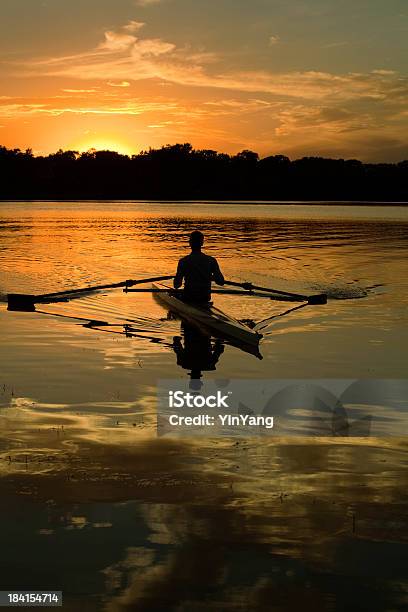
<point>297,77</point>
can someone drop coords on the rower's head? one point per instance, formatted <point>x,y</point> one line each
<point>196,240</point>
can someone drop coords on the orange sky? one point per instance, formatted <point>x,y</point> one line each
<point>291,78</point>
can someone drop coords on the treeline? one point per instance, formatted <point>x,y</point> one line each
<point>180,172</point>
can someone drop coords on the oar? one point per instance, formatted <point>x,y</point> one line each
<point>311,299</point>
<point>23,301</point>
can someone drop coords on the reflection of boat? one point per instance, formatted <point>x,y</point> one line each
<point>211,319</point>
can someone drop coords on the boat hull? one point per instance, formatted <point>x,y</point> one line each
<point>209,318</point>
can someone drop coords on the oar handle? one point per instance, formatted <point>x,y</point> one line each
<point>248,286</point>
<point>151,290</point>
<point>131,283</point>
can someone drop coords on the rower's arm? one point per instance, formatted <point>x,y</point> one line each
<point>178,279</point>
<point>217,275</point>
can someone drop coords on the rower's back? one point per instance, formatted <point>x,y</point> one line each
<point>197,270</point>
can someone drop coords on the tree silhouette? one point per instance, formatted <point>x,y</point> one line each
<point>180,172</point>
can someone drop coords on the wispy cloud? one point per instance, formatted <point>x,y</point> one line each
<point>123,57</point>
<point>146,2</point>
<point>118,84</point>
<point>326,120</point>
<point>384,72</point>
<point>79,91</point>
<point>117,41</point>
<point>19,107</point>
<point>133,26</point>
<point>165,124</point>
<point>231,106</point>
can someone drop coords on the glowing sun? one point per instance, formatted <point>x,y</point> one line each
<point>104,144</point>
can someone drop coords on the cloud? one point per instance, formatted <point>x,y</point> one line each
<point>151,46</point>
<point>134,26</point>
<point>118,84</point>
<point>384,72</point>
<point>80,90</point>
<point>274,40</point>
<point>239,107</point>
<point>117,41</point>
<point>146,2</point>
<point>326,120</point>
<point>19,107</point>
<point>124,57</point>
<point>165,124</point>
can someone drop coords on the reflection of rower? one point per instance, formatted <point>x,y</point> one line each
<point>198,354</point>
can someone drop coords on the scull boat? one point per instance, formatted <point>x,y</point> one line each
<point>208,318</point>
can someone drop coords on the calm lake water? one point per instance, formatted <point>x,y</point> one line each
<point>94,504</point>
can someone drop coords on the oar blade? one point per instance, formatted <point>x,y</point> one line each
<point>21,302</point>
<point>320,298</point>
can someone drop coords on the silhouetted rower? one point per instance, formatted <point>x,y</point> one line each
<point>197,270</point>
